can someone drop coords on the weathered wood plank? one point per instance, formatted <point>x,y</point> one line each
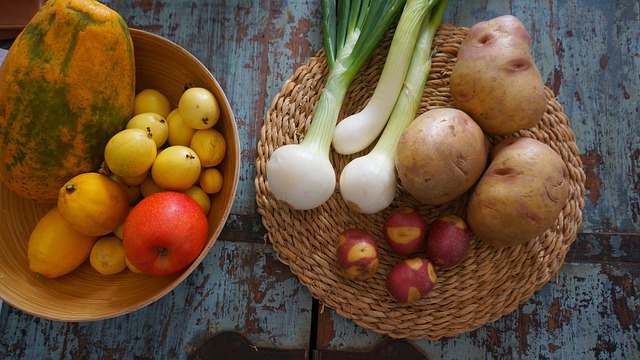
<point>590,55</point>
<point>239,287</point>
<point>587,51</point>
<point>599,247</point>
<point>592,311</point>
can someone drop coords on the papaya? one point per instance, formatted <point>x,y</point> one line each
<point>67,85</point>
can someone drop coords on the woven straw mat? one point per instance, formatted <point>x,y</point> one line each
<point>490,283</point>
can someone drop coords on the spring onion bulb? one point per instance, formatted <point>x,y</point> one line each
<point>368,183</point>
<point>356,132</point>
<point>302,175</point>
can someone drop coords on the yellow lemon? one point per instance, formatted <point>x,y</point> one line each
<point>210,146</point>
<point>211,180</point>
<point>55,248</point>
<point>107,256</point>
<point>93,203</point>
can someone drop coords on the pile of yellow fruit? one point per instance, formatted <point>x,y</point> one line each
<point>159,149</point>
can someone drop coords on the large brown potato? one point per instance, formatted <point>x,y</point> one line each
<point>441,154</point>
<point>520,195</point>
<point>495,80</point>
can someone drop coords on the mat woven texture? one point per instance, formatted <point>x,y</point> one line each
<point>490,283</point>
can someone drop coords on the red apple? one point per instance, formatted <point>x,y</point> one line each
<point>357,254</point>
<point>164,233</point>
<point>410,280</point>
<point>404,230</point>
<point>448,241</point>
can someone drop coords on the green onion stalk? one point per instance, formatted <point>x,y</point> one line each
<point>302,175</point>
<point>368,183</point>
<point>357,131</point>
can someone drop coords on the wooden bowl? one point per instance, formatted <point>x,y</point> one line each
<point>84,294</point>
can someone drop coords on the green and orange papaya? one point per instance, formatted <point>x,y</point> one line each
<point>67,85</point>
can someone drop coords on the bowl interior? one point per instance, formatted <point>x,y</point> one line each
<point>84,294</point>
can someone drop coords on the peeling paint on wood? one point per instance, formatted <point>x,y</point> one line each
<point>587,52</point>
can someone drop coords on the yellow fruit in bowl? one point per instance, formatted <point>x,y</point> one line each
<point>132,191</point>
<point>151,100</point>
<point>107,256</point>
<point>118,231</point>
<point>131,267</point>
<point>149,187</point>
<point>179,132</point>
<point>200,196</point>
<point>199,108</point>
<point>130,152</point>
<point>211,180</point>
<point>93,203</point>
<point>55,248</point>
<point>210,146</point>
<point>154,123</point>
<point>136,180</point>
<point>176,168</point>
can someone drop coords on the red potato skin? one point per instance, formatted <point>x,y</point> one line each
<point>405,231</point>
<point>448,241</point>
<point>357,254</point>
<point>410,280</point>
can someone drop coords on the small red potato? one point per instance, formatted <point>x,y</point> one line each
<point>448,241</point>
<point>357,254</point>
<point>405,230</point>
<point>410,280</point>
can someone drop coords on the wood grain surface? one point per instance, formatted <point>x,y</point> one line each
<point>587,51</point>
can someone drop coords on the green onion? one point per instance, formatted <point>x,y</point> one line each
<point>368,183</point>
<point>356,132</point>
<point>302,175</point>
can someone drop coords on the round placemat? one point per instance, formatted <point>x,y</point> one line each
<point>490,283</point>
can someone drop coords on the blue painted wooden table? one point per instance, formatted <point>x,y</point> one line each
<point>248,303</point>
